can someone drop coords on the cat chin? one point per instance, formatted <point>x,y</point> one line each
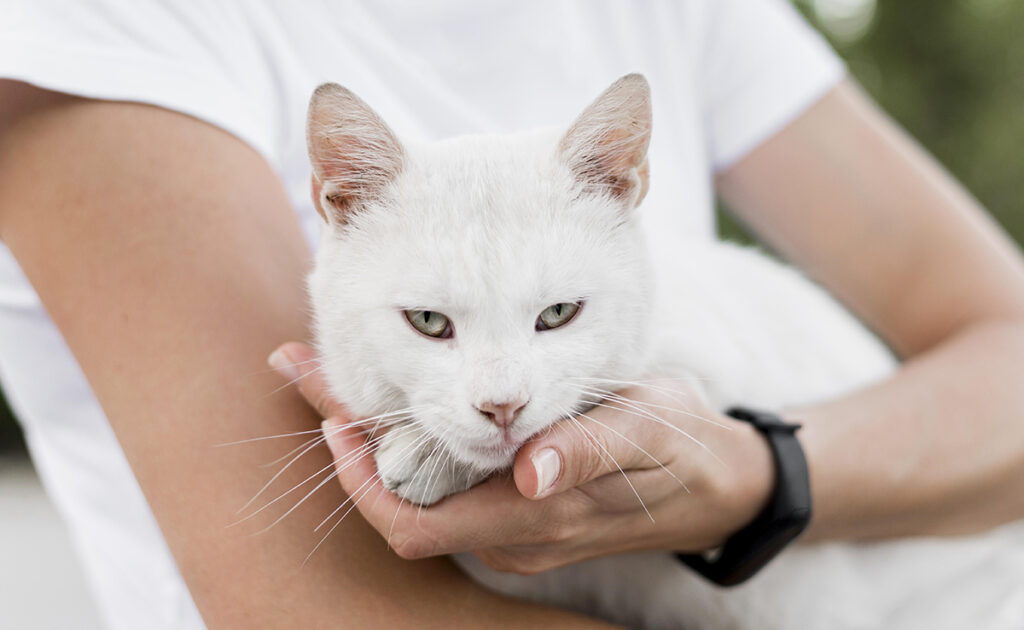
<point>485,459</point>
<point>488,456</point>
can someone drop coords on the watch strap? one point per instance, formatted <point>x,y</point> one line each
<point>784,518</point>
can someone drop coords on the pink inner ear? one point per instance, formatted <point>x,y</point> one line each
<point>355,155</point>
<point>316,188</point>
<point>351,176</point>
<point>617,162</point>
<point>607,145</point>
<point>352,163</point>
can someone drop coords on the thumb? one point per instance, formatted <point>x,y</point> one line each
<point>586,449</point>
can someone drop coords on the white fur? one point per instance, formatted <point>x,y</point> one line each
<point>490,230</point>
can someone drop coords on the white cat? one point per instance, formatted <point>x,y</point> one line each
<point>468,285</point>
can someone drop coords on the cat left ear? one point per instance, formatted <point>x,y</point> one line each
<point>606,147</point>
<point>355,156</point>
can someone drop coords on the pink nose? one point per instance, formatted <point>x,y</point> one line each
<point>502,414</point>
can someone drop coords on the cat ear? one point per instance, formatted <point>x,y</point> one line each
<point>606,147</point>
<point>354,154</point>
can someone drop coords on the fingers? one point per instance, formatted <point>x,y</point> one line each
<point>581,449</point>
<point>490,514</point>
<point>300,364</point>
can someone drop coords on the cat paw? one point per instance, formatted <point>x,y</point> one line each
<point>419,470</point>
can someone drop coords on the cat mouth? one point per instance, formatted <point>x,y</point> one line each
<point>505,449</point>
<point>502,449</point>
<point>493,456</point>
<point>500,453</point>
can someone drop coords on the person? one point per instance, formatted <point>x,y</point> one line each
<point>156,226</point>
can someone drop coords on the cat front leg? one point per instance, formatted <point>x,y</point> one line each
<point>419,469</point>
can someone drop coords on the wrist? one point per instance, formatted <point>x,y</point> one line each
<point>783,517</point>
<point>750,478</point>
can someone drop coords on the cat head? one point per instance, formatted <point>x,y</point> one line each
<point>483,282</point>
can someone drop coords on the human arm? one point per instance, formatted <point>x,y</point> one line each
<point>166,252</point>
<point>938,448</point>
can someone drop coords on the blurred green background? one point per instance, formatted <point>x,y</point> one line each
<point>950,71</point>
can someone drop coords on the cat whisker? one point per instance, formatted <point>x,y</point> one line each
<point>296,364</point>
<point>370,436</point>
<point>266,437</point>
<point>408,450</point>
<point>575,424</point>
<point>368,485</point>
<point>641,449</point>
<point>323,361</point>
<point>340,462</point>
<point>411,411</point>
<point>614,397</point>
<point>291,452</point>
<point>624,475</point>
<point>644,381</point>
<point>372,478</point>
<point>653,384</point>
<point>587,436</point>
<point>681,397</point>
<point>353,458</point>
<point>431,478</point>
<point>316,442</point>
<point>643,413</point>
<point>637,405</point>
<point>293,381</point>
<point>279,436</point>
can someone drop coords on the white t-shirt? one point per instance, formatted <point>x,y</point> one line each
<point>725,75</point>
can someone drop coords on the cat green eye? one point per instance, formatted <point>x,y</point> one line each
<point>430,323</point>
<point>557,315</point>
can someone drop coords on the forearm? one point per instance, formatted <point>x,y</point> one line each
<point>937,449</point>
<point>171,278</point>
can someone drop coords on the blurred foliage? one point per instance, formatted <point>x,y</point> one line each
<point>951,72</point>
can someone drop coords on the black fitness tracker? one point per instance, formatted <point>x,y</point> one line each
<point>786,516</point>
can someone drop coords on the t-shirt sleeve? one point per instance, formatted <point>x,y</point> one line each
<point>184,56</point>
<point>762,66</point>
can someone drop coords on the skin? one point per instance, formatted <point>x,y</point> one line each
<point>167,253</point>
<point>155,331</point>
<point>937,449</point>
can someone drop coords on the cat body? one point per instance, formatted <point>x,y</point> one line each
<point>939,583</point>
<point>465,289</point>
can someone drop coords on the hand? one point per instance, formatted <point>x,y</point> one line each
<point>652,468</point>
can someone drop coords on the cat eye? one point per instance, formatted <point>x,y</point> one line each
<point>430,323</point>
<point>557,315</point>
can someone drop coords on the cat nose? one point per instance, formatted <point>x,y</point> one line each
<point>502,414</point>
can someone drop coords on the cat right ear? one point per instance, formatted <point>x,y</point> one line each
<point>606,147</point>
<point>355,156</point>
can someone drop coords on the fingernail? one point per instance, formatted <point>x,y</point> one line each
<point>283,365</point>
<point>547,464</point>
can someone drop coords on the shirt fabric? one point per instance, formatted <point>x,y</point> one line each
<point>725,76</point>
